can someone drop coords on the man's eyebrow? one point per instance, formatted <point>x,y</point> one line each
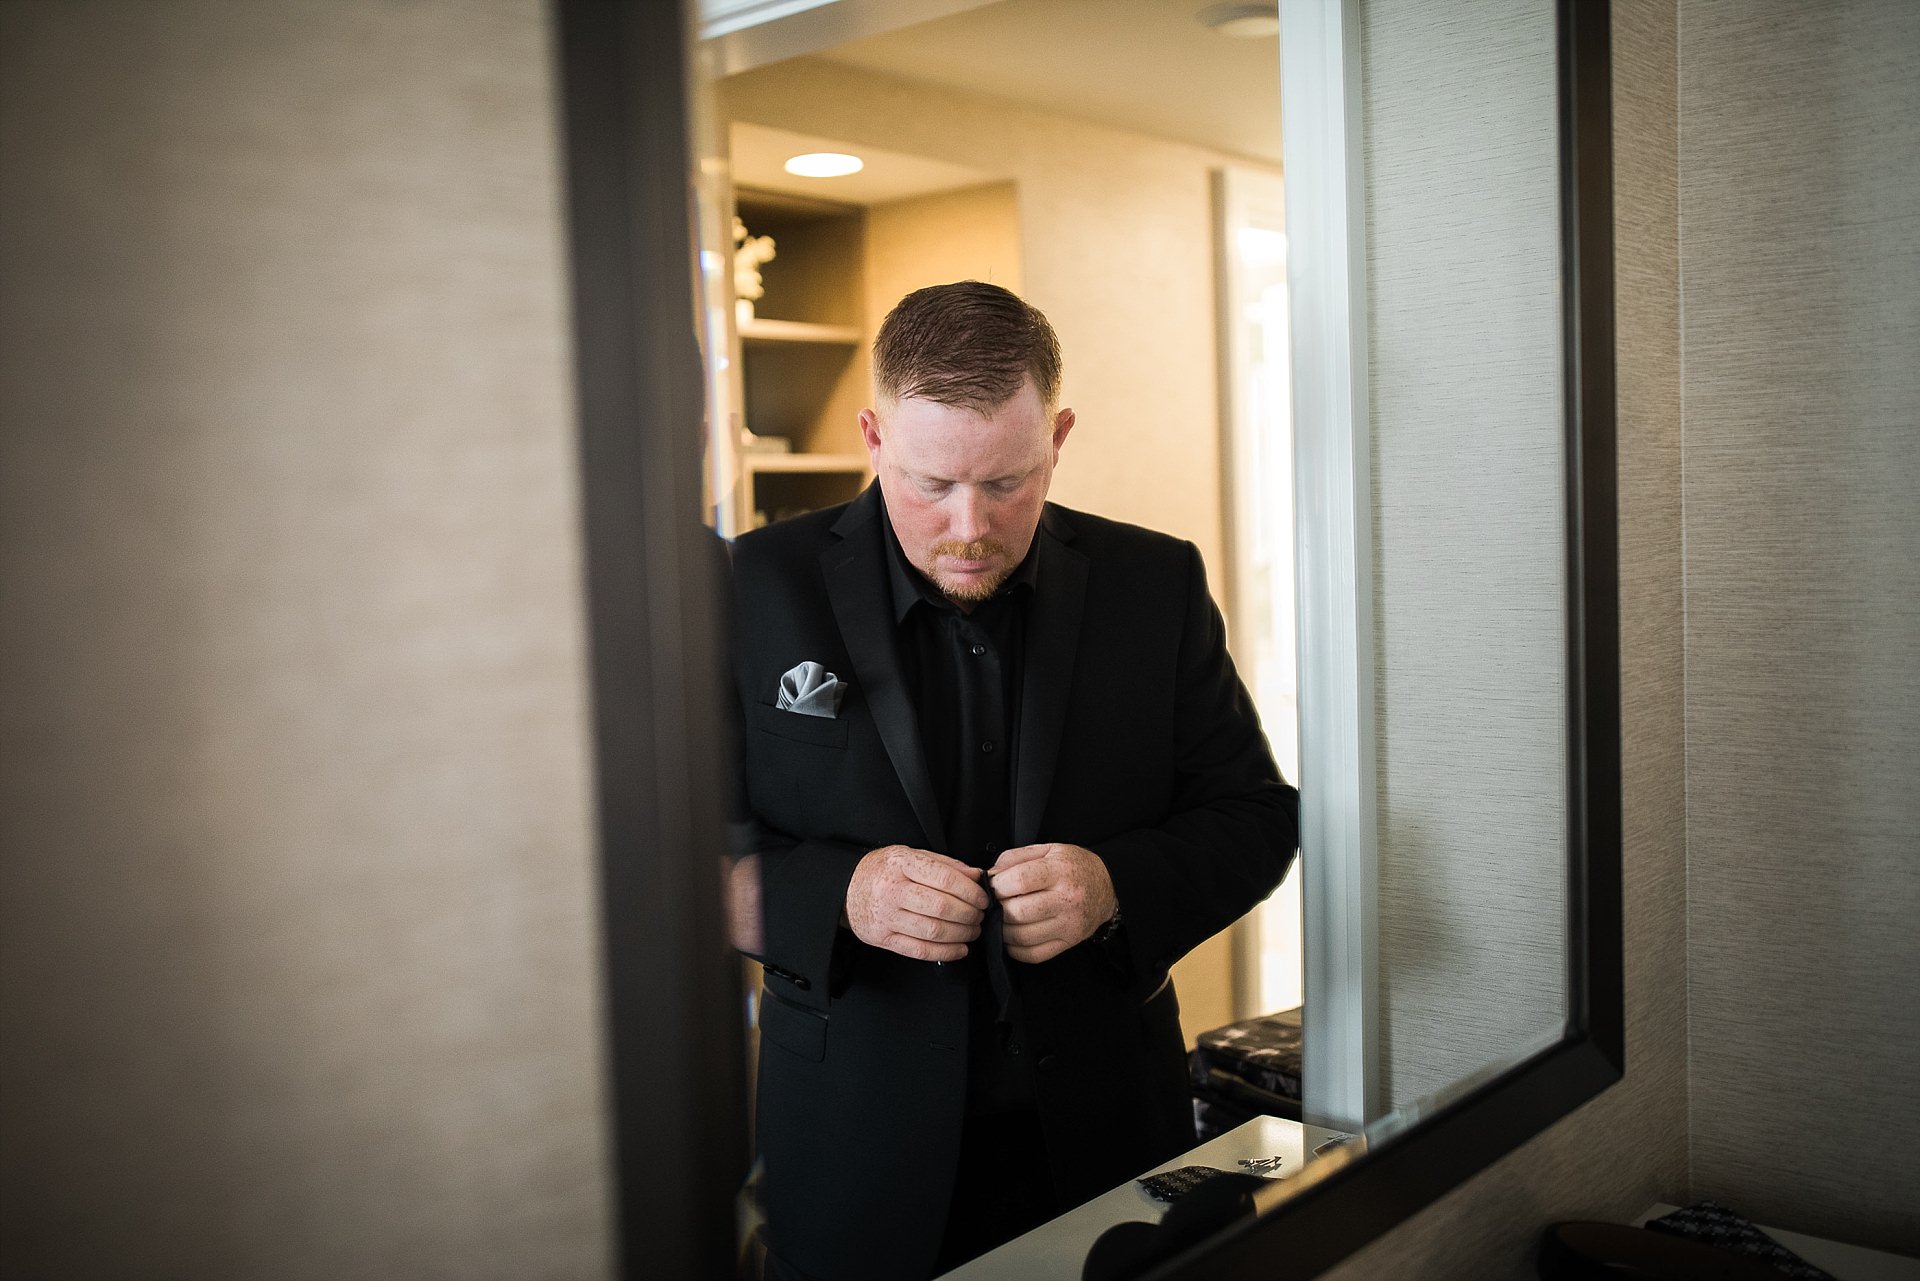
<point>1012,477</point>
<point>928,478</point>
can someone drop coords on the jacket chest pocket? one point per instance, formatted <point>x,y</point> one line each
<point>821,731</point>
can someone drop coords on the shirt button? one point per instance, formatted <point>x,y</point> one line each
<point>987,747</point>
<point>979,650</point>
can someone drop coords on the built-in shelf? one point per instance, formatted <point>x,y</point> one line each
<point>771,462</point>
<point>759,330</point>
<point>803,371</point>
<point>782,485</point>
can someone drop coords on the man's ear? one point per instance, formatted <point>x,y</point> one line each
<point>1062,424</point>
<point>870,433</point>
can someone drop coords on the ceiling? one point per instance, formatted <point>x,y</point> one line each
<point>1145,65</point>
<point>759,156</point>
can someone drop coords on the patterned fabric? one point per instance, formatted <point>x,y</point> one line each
<point>1174,1184</point>
<point>1244,1070</point>
<point>1714,1224</point>
<point>1264,1052</point>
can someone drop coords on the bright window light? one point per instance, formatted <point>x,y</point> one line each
<point>1262,246</point>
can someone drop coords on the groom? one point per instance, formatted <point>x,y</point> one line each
<point>1001,775</point>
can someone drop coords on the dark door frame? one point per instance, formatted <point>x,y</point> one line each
<point>674,1066</point>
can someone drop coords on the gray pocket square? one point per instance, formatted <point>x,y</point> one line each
<point>811,690</point>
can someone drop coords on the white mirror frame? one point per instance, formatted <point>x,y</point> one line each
<point>1339,828</point>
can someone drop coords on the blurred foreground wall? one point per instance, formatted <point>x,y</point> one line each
<point>297,953</point>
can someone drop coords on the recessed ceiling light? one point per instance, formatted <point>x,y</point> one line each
<point>1243,21</point>
<point>825,164</point>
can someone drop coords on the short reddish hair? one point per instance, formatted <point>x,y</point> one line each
<point>968,344</point>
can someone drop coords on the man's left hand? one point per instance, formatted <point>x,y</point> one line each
<point>1054,896</point>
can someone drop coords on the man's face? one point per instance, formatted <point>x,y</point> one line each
<point>964,490</point>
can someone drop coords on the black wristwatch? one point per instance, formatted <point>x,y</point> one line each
<point>1111,928</point>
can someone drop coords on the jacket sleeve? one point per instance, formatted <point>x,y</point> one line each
<point>1232,829</point>
<point>802,892</point>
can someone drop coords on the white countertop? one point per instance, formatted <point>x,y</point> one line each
<point>1058,1248</point>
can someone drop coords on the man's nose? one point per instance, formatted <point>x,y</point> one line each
<point>969,515</point>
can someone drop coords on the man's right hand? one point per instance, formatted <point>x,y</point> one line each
<point>920,904</point>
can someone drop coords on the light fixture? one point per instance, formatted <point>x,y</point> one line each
<point>1242,21</point>
<point>825,164</point>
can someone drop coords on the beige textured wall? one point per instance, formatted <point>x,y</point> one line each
<point>1463,247</point>
<point>1116,241</point>
<point>297,961</point>
<point>1800,222</point>
<point>972,234</point>
<point>1627,1148</point>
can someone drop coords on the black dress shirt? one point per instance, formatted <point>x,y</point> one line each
<point>963,670</point>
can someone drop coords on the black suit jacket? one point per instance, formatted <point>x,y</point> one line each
<point>1136,740</point>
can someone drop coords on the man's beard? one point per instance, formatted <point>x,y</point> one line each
<point>974,589</point>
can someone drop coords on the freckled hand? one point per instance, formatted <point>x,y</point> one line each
<point>1054,897</point>
<point>914,902</point>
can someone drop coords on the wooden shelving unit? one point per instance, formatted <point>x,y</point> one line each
<point>805,463</point>
<point>802,358</point>
<point>760,331</point>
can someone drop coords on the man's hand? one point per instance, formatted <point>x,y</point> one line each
<point>917,903</point>
<point>1054,896</point>
<point>743,905</point>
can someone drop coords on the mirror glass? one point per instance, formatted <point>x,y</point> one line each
<point>1120,165</point>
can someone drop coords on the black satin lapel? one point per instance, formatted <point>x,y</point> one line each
<point>857,587</point>
<point>1053,639</point>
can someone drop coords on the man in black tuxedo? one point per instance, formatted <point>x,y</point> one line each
<point>1001,775</point>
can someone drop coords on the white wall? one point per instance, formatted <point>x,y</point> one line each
<point>297,962</point>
